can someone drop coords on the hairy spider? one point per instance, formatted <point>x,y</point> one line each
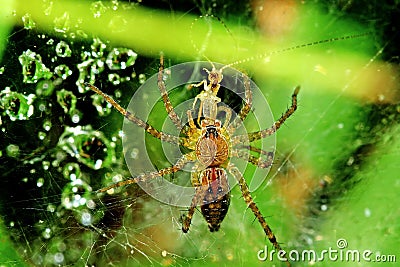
<point>211,147</point>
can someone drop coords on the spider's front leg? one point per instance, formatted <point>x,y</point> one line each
<point>271,130</point>
<point>267,132</point>
<point>164,94</point>
<point>133,118</point>
<point>245,110</point>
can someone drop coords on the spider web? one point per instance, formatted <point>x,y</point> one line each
<point>68,148</point>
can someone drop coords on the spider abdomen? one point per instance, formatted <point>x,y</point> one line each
<point>216,198</point>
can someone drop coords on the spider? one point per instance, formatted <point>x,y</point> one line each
<point>211,146</point>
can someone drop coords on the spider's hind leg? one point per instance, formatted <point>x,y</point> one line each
<point>252,205</point>
<point>151,175</point>
<point>187,218</point>
<point>196,200</point>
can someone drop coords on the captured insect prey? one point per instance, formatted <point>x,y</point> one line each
<point>209,136</point>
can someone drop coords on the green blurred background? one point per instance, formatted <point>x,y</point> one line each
<point>336,171</point>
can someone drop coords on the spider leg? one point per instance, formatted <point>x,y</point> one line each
<point>250,203</point>
<point>133,118</point>
<point>269,131</point>
<point>151,175</point>
<point>190,119</point>
<point>187,219</point>
<point>256,161</point>
<point>244,111</point>
<point>228,115</point>
<point>199,194</point>
<point>164,94</point>
<point>254,149</point>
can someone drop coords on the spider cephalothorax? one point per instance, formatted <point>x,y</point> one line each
<point>212,148</point>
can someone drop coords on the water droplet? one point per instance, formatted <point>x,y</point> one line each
<point>86,218</point>
<point>118,93</point>
<point>90,147</point>
<point>115,4</point>
<point>15,105</point>
<point>103,107</point>
<point>32,67</point>
<point>97,67</point>
<point>41,135</point>
<point>42,106</point>
<point>46,233</point>
<point>114,78</point>
<point>61,23</point>
<point>51,208</point>
<point>87,72</point>
<point>91,204</point>
<point>81,34</point>
<point>142,78</point>
<point>67,101</point>
<point>47,125</point>
<point>97,48</point>
<point>45,88</point>
<point>12,151</point>
<point>40,182</point>
<point>98,8</point>
<point>46,165</point>
<point>117,24</point>
<point>98,164</point>
<point>49,8</point>
<point>75,194</point>
<point>84,69</point>
<point>121,58</point>
<point>58,258</point>
<point>63,71</point>
<point>63,50</point>
<point>134,153</point>
<point>29,24</point>
<point>72,171</point>
<point>76,116</point>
